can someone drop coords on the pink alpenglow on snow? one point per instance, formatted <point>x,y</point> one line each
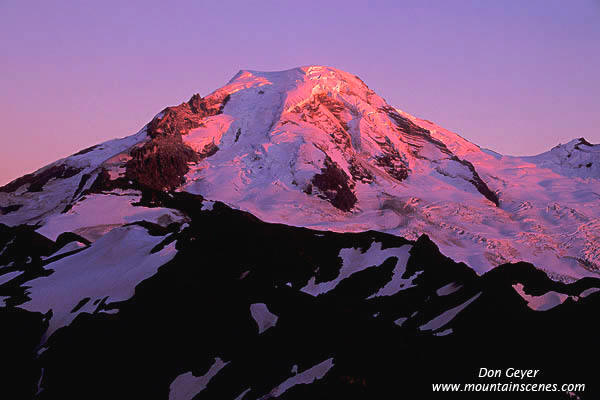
<point>314,146</point>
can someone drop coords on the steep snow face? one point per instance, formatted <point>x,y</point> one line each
<point>314,146</point>
<point>456,143</point>
<point>295,138</point>
<point>549,212</point>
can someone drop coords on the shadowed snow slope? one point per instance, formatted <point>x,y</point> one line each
<point>315,147</point>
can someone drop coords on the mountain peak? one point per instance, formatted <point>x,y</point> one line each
<point>574,144</point>
<point>325,123</point>
<point>585,142</point>
<point>314,146</point>
<point>310,70</point>
<point>576,158</point>
<point>317,78</point>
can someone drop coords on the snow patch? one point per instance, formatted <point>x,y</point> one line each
<point>448,289</point>
<point>9,276</point>
<point>186,385</point>
<point>110,268</point>
<point>207,205</point>
<point>263,317</point>
<point>447,316</point>
<point>589,291</point>
<point>544,302</point>
<point>397,284</point>
<point>354,261</point>
<point>444,332</point>
<point>241,396</point>
<point>306,377</point>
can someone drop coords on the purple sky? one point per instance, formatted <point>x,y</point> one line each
<point>514,76</point>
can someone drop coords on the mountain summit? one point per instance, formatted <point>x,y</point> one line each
<point>287,237</point>
<point>314,146</point>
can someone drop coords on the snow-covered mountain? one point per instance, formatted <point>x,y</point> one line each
<point>315,147</point>
<point>287,237</point>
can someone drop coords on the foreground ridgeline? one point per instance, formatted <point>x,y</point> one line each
<point>227,307</point>
<point>178,262</point>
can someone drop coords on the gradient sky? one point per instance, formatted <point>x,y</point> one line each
<point>514,76</point>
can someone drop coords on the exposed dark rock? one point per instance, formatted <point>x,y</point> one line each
<point>289,122</point>
<point>84,178</point>
<point>359,172</point>
<point>27,251</point>
<point>37,180</point>
<point>17,183</point>
<point>103,183</point>
<point>179,120</point>
<point>189,204</point>
<point>584,142</point>
<point>408,127</point>
<point>392,166</point>
<point>57,172</point>
<point>334,185</point>
<point>404,124</point>
<point>312,110</point>
<point>208,150</point>
<point>23,249</point>
<point>361,81</point>
<point>79,305</point>
<point>21,243</point>
<point>82,182</point>
<point>20,335</point>
<point>479,184</point>
<point>86,150</point>
<point>69,237</point>
<point>160,164</point>
<point>155,229</point>
<point>335,107</point>
<point>9,209</point>
<point>394,163</point>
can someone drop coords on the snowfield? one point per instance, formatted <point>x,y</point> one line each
<point>106,272</point>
